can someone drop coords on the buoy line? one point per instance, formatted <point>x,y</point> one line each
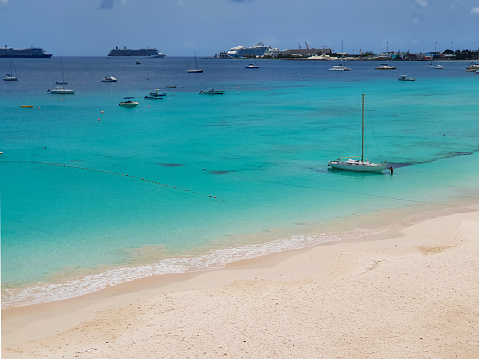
<point>112,173</point>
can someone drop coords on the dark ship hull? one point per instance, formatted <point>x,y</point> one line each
<point>31,53</point>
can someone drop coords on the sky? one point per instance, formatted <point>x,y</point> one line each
<point>206,27</point>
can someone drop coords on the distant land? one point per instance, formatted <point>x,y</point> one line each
<point>325,53</point>
<point>267,52</point>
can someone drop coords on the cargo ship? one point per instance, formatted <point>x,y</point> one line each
<point>31,53</point>
<point>149,53</point>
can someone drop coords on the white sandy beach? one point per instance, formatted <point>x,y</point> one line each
<point>412,293</point>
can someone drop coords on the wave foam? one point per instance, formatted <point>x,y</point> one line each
<point>214,259</point>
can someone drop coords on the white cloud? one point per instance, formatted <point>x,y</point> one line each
<point>475,11</point>
<point>3,2</point>
<point>416,20</point>
<point>422,3</point>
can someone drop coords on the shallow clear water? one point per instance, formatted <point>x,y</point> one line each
<point>95,194</point>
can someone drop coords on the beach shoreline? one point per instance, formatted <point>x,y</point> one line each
<point>412,281</point>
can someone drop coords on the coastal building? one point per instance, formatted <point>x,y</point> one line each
<point>307,52</point>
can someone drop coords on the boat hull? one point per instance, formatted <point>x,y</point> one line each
<point>129,104</point>
<point>211,92</point>
<point>358,166</point>
<point>60,92</point>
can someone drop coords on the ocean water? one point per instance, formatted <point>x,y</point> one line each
<point>94,194</point>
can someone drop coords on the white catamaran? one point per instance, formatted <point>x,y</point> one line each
<point>358,165</point>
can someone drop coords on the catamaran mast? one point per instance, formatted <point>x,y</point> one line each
<point>362,135</point>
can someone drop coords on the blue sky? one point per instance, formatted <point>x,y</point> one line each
<point>182,27</point>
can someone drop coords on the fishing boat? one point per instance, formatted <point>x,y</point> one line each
<point>60,90</point>
<point>386,65</point>
<point>10,76</point>
<point>129,102</point>
<point>349,164</point>
<point>109,79</point>
<point>196,70</point>
<point>212,92</point>
<point>405,78</point>
<point>62,82</point>
<point>156,95</point>
<point>340,67</point>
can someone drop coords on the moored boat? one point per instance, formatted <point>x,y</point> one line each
<point>109,79</point>
<point>212,92</point>
<point>61,90</point>
<point>196,70</point>
<point>385,67</point>
<point>129,102</point>
<point>10,76</point>
<point>156,95</point>
<point>358,165</point>
<point>473,67</point>
<point>340,67</point>
<point>405,78</point>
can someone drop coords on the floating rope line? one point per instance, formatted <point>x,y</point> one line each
<point>112,173</point>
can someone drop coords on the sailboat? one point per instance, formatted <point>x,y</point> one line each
<point>62,82</point>
<point>10,76</point>
<point>196,70</point>
<point>340,67</point>
<point>432,64</point>
<point>358,165</point>
<point>386,65</point>
<point>253,65</point>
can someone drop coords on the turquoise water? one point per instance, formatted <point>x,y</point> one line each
<point>94,194</point>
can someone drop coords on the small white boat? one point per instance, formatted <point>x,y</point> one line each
<point>63,81</point>
<point>156,95</point>
<point>212,92</point>
<point>196,70</point>
<point>61,90</point>
<point>252,66</point>
<point>385,67</point>
<point>405,78</point>
<point>129,102</point>
<point>358,165</point>
<point>10,77</point>
<point>473,67</point>
<point>109,79</point>
<point>339,68</point>
<point>433,65</point>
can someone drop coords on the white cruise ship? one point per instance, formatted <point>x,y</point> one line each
<point>258,50</point>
